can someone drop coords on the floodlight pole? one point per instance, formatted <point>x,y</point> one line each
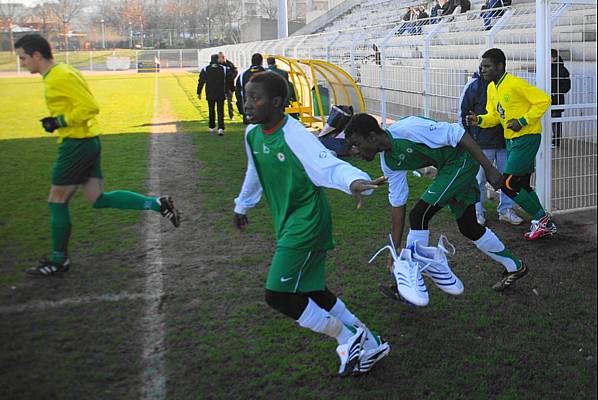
<point>103,34</point>
<point>283,19</point>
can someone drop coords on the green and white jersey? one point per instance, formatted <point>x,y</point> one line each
<point>417,142</point>
<point>290,166</point>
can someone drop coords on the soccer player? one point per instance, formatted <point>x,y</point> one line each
<point>518,107</point>
<point>492,142</point>
<point>416,142</point>
<point>290,167</point>
<point>73,111</point>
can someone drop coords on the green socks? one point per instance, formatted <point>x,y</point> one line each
<point>125,200</point>
<point>60,222</point>
<point>530,202</point>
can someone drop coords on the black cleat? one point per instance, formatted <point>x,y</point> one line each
<point>48,268</point>
<point>510,277</point>
<point>392,293</point>
<point>168,211</point>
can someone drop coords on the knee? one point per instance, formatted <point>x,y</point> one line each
<point>471,229</point>
<point>512,184</point>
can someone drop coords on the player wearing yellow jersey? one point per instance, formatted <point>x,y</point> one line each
<point>73,110</point>
<point>518,107</point>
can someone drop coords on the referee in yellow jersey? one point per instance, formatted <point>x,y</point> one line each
<point>518,107</point>
<point>73,111</point>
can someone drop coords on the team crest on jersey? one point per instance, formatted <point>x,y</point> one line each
<point>265,149</point>
<point>409,150</point>
<point>323,154</point>
<point>281,157</point>
<point>506,97</point>
<point>402,157</point>
<point>500,110</point>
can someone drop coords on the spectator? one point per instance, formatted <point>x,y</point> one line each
<point>560,84</point>
<point>377,55</point>
<point>435,12</point>
<point>422,13</point>
<point>230,82</point>
<point>408,16</point>
<point>491,141</point>
<point>256,66</point>
<point>214,76</point>
<point>487,16</point>
<point>445,7</point>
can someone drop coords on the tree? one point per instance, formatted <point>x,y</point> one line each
<point>44,13</point>
<point>66,11</point>
<point>269,8</point>
<point>9,14</point>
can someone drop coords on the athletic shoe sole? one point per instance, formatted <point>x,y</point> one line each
<point>391,292</point>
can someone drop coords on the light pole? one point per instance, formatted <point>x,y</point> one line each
<point>103,34</point>
<point>209,31</point>
<point>130,35</point>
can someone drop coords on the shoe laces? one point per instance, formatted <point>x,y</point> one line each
<point>390,247</point>
<point>442,247</point>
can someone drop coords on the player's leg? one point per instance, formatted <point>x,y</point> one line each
<point>506,213</point>
<point>293,274</point>
<point>211,115</point>
<point>481,179</point>
<point>229,101</point>
<point>220,110</point>
<point>487,241</point>
<point>419,219</point>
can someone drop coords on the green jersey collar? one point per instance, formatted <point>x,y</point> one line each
<point>502,78</point>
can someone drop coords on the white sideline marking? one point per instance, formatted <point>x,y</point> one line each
<point>153,379</point>
<point>41,305</point>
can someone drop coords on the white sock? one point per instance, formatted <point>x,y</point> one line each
<point>491,245</point>
<point>341,312</point>
<point>319,320</point>
<point>423,237</point>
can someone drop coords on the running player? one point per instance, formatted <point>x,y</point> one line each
<point>518,107</point>
<point>73,110</point>
<point>290,167</point>
<point>416,142</point>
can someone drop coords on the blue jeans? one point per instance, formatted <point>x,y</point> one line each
<point>499,157</point>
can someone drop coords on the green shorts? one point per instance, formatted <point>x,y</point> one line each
<point>77,161</point>
<point>297,270</point>
<point>455,185</point>
<point>521,154</point>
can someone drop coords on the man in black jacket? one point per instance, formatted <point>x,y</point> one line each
<point>256,66</point>
<point>560,84</point>
<point>214,77</point>
<point>230,81</point>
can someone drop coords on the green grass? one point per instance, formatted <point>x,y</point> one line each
<point>481,345</point>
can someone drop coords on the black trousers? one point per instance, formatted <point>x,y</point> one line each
<point>557,128</point>
<point>213,106</point>
<point>229,102</point>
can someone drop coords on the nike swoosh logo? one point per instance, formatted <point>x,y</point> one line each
<point>283,279</point>
<point>256,152</point>
<point>431,192</point>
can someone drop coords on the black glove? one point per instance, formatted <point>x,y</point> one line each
<point>50,124</point>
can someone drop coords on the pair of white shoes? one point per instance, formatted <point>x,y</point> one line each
<point>413,263</point>
<point>356,356</point>
<point>220,131</point>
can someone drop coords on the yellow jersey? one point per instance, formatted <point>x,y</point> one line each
<point>69,99</point>
<point>514,98</point>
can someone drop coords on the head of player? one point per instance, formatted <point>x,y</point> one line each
<point>35,53</point>
<point>271,61</point>
<point>221,57</point>
<point>365,137</point>
<point>265,96</point>
<point>493,65</point>
<point>257,60</point>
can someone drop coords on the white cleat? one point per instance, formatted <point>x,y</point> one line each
<point>510,217</point>
<point>435,266</point>
<point>407,275</point>
<point>481,219</point>
<point>372,356</point>
<point>349,352</point>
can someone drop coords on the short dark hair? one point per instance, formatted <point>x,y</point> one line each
<point>361,124</point>
<point>214,58</point>
<point>271,61</point>
<point>554,53</point>
<point>496,56</point>
<point>257,59</point>
<point>274,84</point>
<point>34,42</point>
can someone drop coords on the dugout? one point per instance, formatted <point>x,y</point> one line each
<point>308,77</point>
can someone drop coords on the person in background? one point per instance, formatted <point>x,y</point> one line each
<point>256,66</point>
<point>214,76</point>
<point>230,81</point>
<point>560,84</point>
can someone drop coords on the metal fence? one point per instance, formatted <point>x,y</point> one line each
<point>420,67</point>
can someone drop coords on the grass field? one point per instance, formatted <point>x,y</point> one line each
<point>221,339</point>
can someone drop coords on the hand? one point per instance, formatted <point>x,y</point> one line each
<point>240,221</point>
<point>359,186</point>
<point>471,119</point>
<point>50,124</point>
<point>494,177</point>
<point>514,125</point>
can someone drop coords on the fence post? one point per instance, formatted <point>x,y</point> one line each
<point>18,65</point>
<point>543,82</point>
<point>91,61</point>
<point>197,60</point>
<point>136,59</point>
<point>180,58</point>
